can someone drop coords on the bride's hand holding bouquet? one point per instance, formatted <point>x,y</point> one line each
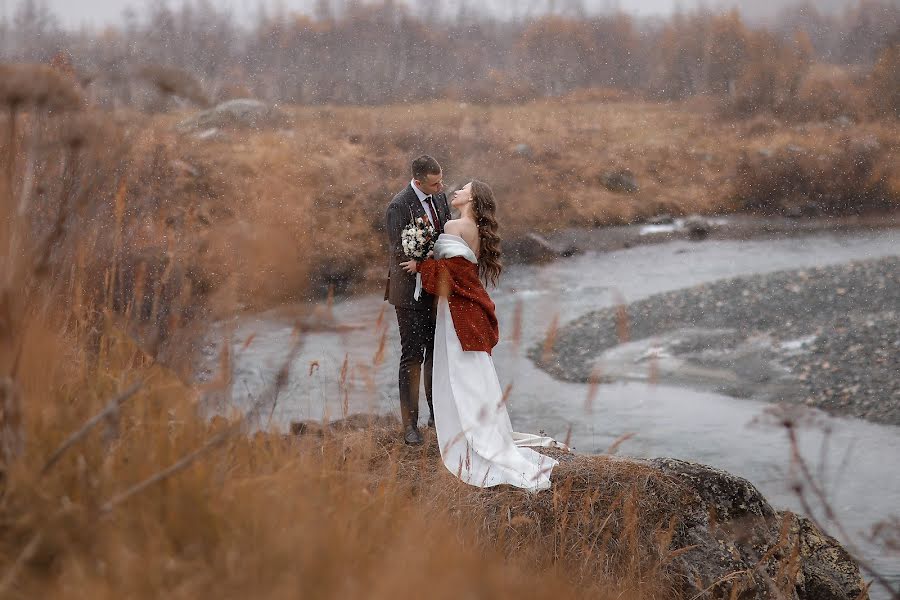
<point>417,240</point>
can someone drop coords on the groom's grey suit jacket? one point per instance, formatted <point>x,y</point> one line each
<point>400,212</point>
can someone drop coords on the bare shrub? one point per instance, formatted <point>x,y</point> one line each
<point>172,81</point>
<point>849,179</point>
<point>39,87</point>
<point>770,77</point>
<point>828,93</point>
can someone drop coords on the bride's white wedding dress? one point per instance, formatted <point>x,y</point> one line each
<point>475,436</point>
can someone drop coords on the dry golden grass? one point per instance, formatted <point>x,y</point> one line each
<point>254,219</point>
<point>344,514</point>
<point>841,176</point>
<point>307,202</point>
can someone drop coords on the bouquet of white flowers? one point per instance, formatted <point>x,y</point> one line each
<point>418,240</point>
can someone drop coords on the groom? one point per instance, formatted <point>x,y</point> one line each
<point>423,197</point>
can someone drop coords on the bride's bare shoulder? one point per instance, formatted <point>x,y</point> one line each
<point>453,226</point>
<point>464,229</point>
<point>460,227</point>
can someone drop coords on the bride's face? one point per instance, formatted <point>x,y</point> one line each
<point>462,196</point>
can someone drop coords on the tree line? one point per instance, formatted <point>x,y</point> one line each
<point>351,52</point>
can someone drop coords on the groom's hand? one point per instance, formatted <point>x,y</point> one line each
<point>410,266</point>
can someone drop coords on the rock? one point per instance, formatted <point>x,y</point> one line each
<point>523,150</point>
<point>793,212</point>
<point>533,247</point>
<point>621,181</point>
<point>184,168</point>
<point>355,422</point>
<point>731,528</point>
<point>869,143</point>
<point>213,133</point>
<point>804,209</point>
<point>697,228</point>
<point>827,569</point>
<point>843,121</point>
<point>662,219</point>
<point>244,113</point>
<point>731,497</point>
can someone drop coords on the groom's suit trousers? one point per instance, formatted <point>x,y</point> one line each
<point>416,348</point>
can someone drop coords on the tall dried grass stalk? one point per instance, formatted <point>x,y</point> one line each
<point>109,410</point>
<point>809,481</point>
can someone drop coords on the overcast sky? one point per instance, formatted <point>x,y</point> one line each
<point>100,12</point>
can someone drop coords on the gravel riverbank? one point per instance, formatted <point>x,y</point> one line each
<point>827,337</point>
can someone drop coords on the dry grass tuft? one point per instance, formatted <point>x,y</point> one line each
<point>40,87</point>
<point>172,81</point>
<point>852,177</point>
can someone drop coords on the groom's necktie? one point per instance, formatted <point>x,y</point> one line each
<point>433,214</point>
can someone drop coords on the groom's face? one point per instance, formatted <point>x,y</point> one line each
<point>431,184</point>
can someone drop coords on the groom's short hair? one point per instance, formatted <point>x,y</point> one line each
<point>424,166</point>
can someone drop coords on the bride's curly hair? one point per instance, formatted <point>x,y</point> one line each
<point>484,206</point>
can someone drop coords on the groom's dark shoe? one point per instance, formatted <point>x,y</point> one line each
<point>412,436</point>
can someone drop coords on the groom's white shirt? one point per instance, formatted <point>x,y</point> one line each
<point>423,198</point>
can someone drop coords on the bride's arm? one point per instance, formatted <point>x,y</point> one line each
<point>436,277</point>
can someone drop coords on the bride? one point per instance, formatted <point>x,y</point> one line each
<point>474,433</point>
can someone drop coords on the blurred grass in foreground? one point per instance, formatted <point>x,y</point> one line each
<point>113,485</point>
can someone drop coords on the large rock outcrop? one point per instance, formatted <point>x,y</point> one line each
<point>684,530</point>
<point>739,542</point>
